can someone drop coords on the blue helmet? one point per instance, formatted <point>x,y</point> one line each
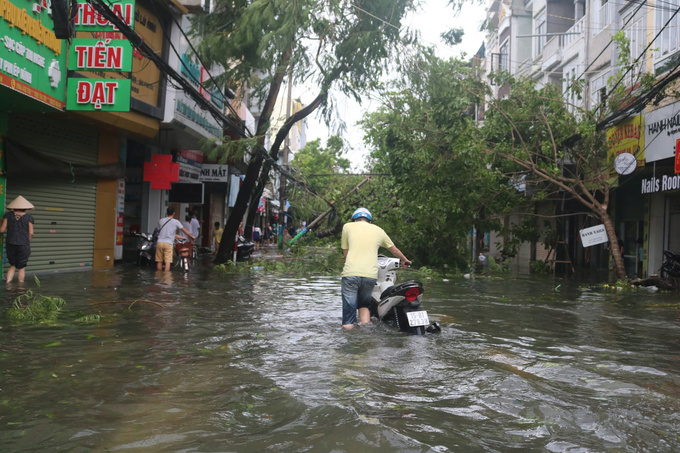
<point>362,212</point>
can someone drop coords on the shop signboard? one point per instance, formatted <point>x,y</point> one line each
<point>594,235</point>
<point>102,95</point>
<point>100,55</point>
<point>32,59</point>
<point>662,129</point>
<point>626,138</point>
<point>190,164</point>
<point>662,183</point>
<point>88,19</point>
<point>215,173</point>
<point>189,114</point>
<point>144,75</point>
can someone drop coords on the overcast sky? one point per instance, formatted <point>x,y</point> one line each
<point>435,18</point>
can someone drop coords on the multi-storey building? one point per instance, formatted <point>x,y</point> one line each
<point>562,42</point>
<point>84,170</point>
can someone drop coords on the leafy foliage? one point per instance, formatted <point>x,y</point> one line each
<point>329,44</point>
<point>34,308</point>
<point>316,165</point>
<point>439,185</point>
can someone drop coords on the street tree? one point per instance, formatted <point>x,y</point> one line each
<point>323,182</point>
<point>329,44</point>
<point>439,186</point>
<point>450,172</point>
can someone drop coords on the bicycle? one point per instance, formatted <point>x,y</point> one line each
<point>183,248</point>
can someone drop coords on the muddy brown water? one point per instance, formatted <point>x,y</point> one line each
<point>208,362</point>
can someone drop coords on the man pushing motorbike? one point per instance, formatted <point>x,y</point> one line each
<point>360,243</point>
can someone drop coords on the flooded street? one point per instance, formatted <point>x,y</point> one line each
<point>257,362</point>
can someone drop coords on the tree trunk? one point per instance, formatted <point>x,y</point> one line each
<point>276,146</point>
<point>228,241</point>
<point>619,268</point>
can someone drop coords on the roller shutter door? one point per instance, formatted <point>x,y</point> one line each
<point>64,209</point>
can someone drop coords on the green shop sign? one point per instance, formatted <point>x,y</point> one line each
<point>100,55</point>
<point>88,19</point>
<point>32,59</point>
<point>102,95</point>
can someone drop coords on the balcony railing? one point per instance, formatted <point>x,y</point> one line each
<point>573,33</point>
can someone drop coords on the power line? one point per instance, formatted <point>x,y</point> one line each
<point>643,99</point>
<point>607,46</point>
<point>105,11</point>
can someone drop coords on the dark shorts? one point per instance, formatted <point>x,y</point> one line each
<point>356,293</point>
<point>17,255</point>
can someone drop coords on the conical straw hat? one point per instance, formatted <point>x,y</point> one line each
<point>20,203</point>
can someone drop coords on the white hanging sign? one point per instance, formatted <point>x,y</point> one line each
<point>594,235</point>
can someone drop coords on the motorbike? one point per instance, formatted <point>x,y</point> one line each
<point>244,248</point>
<point>399,304</point>
<point>146,248</point>
<point>183,248</point>
<point>671,264</point>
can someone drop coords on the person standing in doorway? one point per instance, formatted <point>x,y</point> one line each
<point>360,243</point>
<point>19,227</point>
<point>166,238</point>
<point>640,255</point>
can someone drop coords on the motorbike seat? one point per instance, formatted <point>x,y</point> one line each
<point>401,288</point>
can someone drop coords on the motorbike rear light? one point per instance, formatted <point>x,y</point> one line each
<point>412,294</point>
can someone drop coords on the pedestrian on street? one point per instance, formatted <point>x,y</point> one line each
<point>186,223</point>
<point>217,233</point>
<point>360,243</point>
<point>19,227</point>
<point>166,238</point>
<point>257,237</point>
<point>195,225</point>
<point>268,234</point>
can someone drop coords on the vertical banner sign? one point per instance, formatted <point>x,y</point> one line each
<point>100,55</point>
<point>88,19</point>
<point>626,137</point>
<point>86,54</point>
<point>677,156</point>
<point>3,179</point>
<point>120,217</point>
<point>104,95</point>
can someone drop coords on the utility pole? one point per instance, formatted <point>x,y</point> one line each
<point>284,163</point>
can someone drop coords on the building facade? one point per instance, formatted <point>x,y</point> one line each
<point>84,169</point>
<point>564,42</point>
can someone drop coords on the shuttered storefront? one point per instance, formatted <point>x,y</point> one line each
<point>65,206</point>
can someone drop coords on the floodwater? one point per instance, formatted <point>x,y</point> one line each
<point>253,362</point>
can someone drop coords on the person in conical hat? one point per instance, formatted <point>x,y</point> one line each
<point>20,203</point>
<point>19,227</point>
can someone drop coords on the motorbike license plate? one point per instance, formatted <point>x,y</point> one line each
<point>417,318</point>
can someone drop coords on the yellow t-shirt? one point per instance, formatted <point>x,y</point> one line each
<point>218,235</point>
<point>362,240</point>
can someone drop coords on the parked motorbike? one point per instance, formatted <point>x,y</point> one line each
<point>244,248</point>
<point>146,248</point>
<point>671,264</point>
<point>399,304</point>
<point>183,248</point>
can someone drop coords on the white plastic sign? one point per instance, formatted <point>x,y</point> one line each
<point>594,235</point>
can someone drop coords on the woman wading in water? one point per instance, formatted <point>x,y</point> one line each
<point>19,227</point>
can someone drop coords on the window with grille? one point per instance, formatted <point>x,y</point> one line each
<point>540,30</point>
<point>504,56</point>
<point>669,41</point>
